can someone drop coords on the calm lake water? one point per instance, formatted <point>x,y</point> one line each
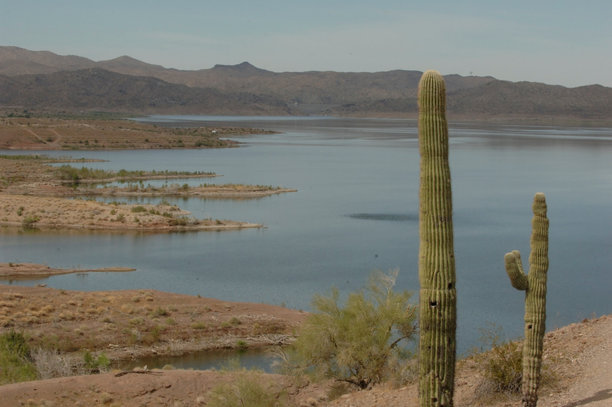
<point>356,211</point>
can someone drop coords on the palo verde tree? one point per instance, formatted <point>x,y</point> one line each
<point>362,342</point>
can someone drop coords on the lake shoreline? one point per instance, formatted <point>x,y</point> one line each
<point>37,195</point>
<point>33,271</point>
<point>132,324</point>
<point>88,134</point>
<point>33,212</point>
<point>577,355</point>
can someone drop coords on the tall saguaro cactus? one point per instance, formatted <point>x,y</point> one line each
<point>534,285</point>
<point>437,295</point>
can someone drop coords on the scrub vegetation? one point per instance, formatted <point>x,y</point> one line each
<point>363,342</point>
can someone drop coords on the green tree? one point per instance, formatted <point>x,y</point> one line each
<point>15,360</point>
<point>362,342</point>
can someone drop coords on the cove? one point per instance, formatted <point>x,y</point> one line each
<point>367,167</point>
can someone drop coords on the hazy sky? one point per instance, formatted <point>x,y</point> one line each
<point>556,42</point>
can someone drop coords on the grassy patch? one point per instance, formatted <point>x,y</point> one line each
<point>502,367</point>
<point>246,390</point>
<point>15,359</point>
<point>70,173</point>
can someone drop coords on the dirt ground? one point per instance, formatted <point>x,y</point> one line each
<point>582,354</point>
<point>40,133</point>
<point>30,212</point>
<point>579,355</point>
<point>134,323</point>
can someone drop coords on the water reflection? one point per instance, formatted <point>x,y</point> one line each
<point>221,359</point>
<point>391,217</point>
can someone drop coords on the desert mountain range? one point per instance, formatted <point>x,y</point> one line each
<point>45,80</point>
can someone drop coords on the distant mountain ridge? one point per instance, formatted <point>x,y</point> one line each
<point>100,89</point>
<point>42,79</point>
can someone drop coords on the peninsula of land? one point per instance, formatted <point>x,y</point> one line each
<point>34,194</point>
<point>16,271</point>
<point>28,131</point>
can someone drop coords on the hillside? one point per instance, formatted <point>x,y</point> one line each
<point>580,355</point>
<point>99,89</point>
<point>42,79</point>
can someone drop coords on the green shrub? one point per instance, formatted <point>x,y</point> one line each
<point>178,221</point>
<point>15,359</point>
<point>362,343</point>
<point>96,365</point>
<point>138,209</point>
<point>502,365</point>
<point>160,312</point>
<point>245,390</point>
<point>69,173</point>
<point>29,222</point>
<point>198,325</point>
<point>242,346</point>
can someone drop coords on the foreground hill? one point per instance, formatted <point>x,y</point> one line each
<point>42,79</point>
<point>581,355</point>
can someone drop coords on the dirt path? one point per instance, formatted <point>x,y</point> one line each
<point>56,143</point>
<point>593,364</point>
<point>32,132</point>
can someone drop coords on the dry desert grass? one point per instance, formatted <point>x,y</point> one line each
<point>130,323</point>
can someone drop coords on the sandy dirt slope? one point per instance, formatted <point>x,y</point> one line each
<point>582,354</point>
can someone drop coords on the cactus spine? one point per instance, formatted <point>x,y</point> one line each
<point>534,285</point>
<point>437,295</point>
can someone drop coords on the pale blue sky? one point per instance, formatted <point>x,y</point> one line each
<point>556,42</point>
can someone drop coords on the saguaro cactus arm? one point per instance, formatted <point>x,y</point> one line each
<point>514,268</point>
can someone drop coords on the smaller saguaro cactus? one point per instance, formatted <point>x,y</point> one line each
<point>534,285</point>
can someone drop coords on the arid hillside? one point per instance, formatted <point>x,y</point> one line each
<point>42,79</point>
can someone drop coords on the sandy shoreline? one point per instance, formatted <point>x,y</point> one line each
<point>32,270</point>
<point>208,192</point>
<point>35,195</point>
<point>31,212</point>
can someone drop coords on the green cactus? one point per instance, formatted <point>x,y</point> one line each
<point>438,299</point>
<point>534,285</point>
